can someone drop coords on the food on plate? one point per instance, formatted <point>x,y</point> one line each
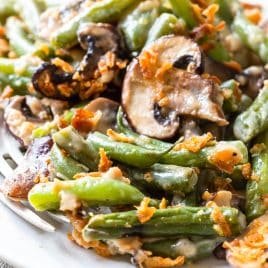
<point>143,122</point>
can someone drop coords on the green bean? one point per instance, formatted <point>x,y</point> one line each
<point>164,222</point>
<point>65,167</point>
<point>225,10</point>
<point>18,83</point>
<point>183,9</point>
<point>18,38</point>
<point>169,178</point>
<point>91,191</point>
<point>254,120</point>
<point>7,9</point>
<point>251,35</point>
<point>193,249</point>
<point>101,11</point>
<point>136,25</point>
<point>141,140</point>
<point>203,158</point>
<point>232,96</point>
<point>74,144</point>
<point>257,189</point>
<point>165,24</point>
<point>23,66</point>
<point>219,52</point>
<point>245,103</point>
<point>124,152</point>
<point>29,11</point>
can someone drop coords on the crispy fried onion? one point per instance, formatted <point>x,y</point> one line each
<point>250,249</point>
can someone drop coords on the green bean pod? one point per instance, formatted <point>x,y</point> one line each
<point>254,120</point>
<point>202,158</point>
<point>101,11</point>
<point>18,38</point>
<point>123,152</point>
<point>91,191</point>
<point>18,83</point>
<point>169,178</point>
<point>183,9</point>
<point>164,222</point>
<point>192,249</point>
<point>64,166</point>
<point>165,24</point>
<point>74,144</point>
<point>257,189</point>
<point>136,25</point>
<point>251,35</point>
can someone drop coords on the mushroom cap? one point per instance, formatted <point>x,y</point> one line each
<point>179,51</point>
<point>138,99</point>
<point>155,93</point>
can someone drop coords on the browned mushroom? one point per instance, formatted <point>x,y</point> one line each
<point>155,93</point>
<point>100,65</point>
<point>108,109</point>
<point>251,80</point>
<point>24,113</point>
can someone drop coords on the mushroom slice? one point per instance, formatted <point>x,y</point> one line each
<point>179,51</point>
<point>177,93</point>
<point>108,109</point>
<point>24,113</point>
<point>97,39</point>
<point>53,82</point>
<point>138,100</point>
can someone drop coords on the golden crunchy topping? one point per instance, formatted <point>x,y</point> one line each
<point>250,249</point>
<point>148,61</point>
<point>119,136</point>
<point>144,212</point>
<point>162,70</point>
<point>163,203</point>
<point>221,198</point>
<point>65,66</point>
<point>195,143</point>
<point>155,261</point>
<point>221,226</point>
<point>233,65</point>
<point>226,158</point>
<point>246,170</point>
<point>257,148</point>
<point>105,163</point>
<point>85,121</point>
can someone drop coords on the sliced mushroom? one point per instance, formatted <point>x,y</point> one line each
<point>20,183</point>
<point>100,66</point>
<point>218,69</point>
<point>251,80</point>
<point>24,113</point>
<point>181,52</point>
<point>108,109</point>
<point>97,39</point>
<point>153,106</point>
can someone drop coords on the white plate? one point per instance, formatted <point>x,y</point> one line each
<point>22,245</point>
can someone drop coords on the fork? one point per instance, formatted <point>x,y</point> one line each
<point>10,157</point>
